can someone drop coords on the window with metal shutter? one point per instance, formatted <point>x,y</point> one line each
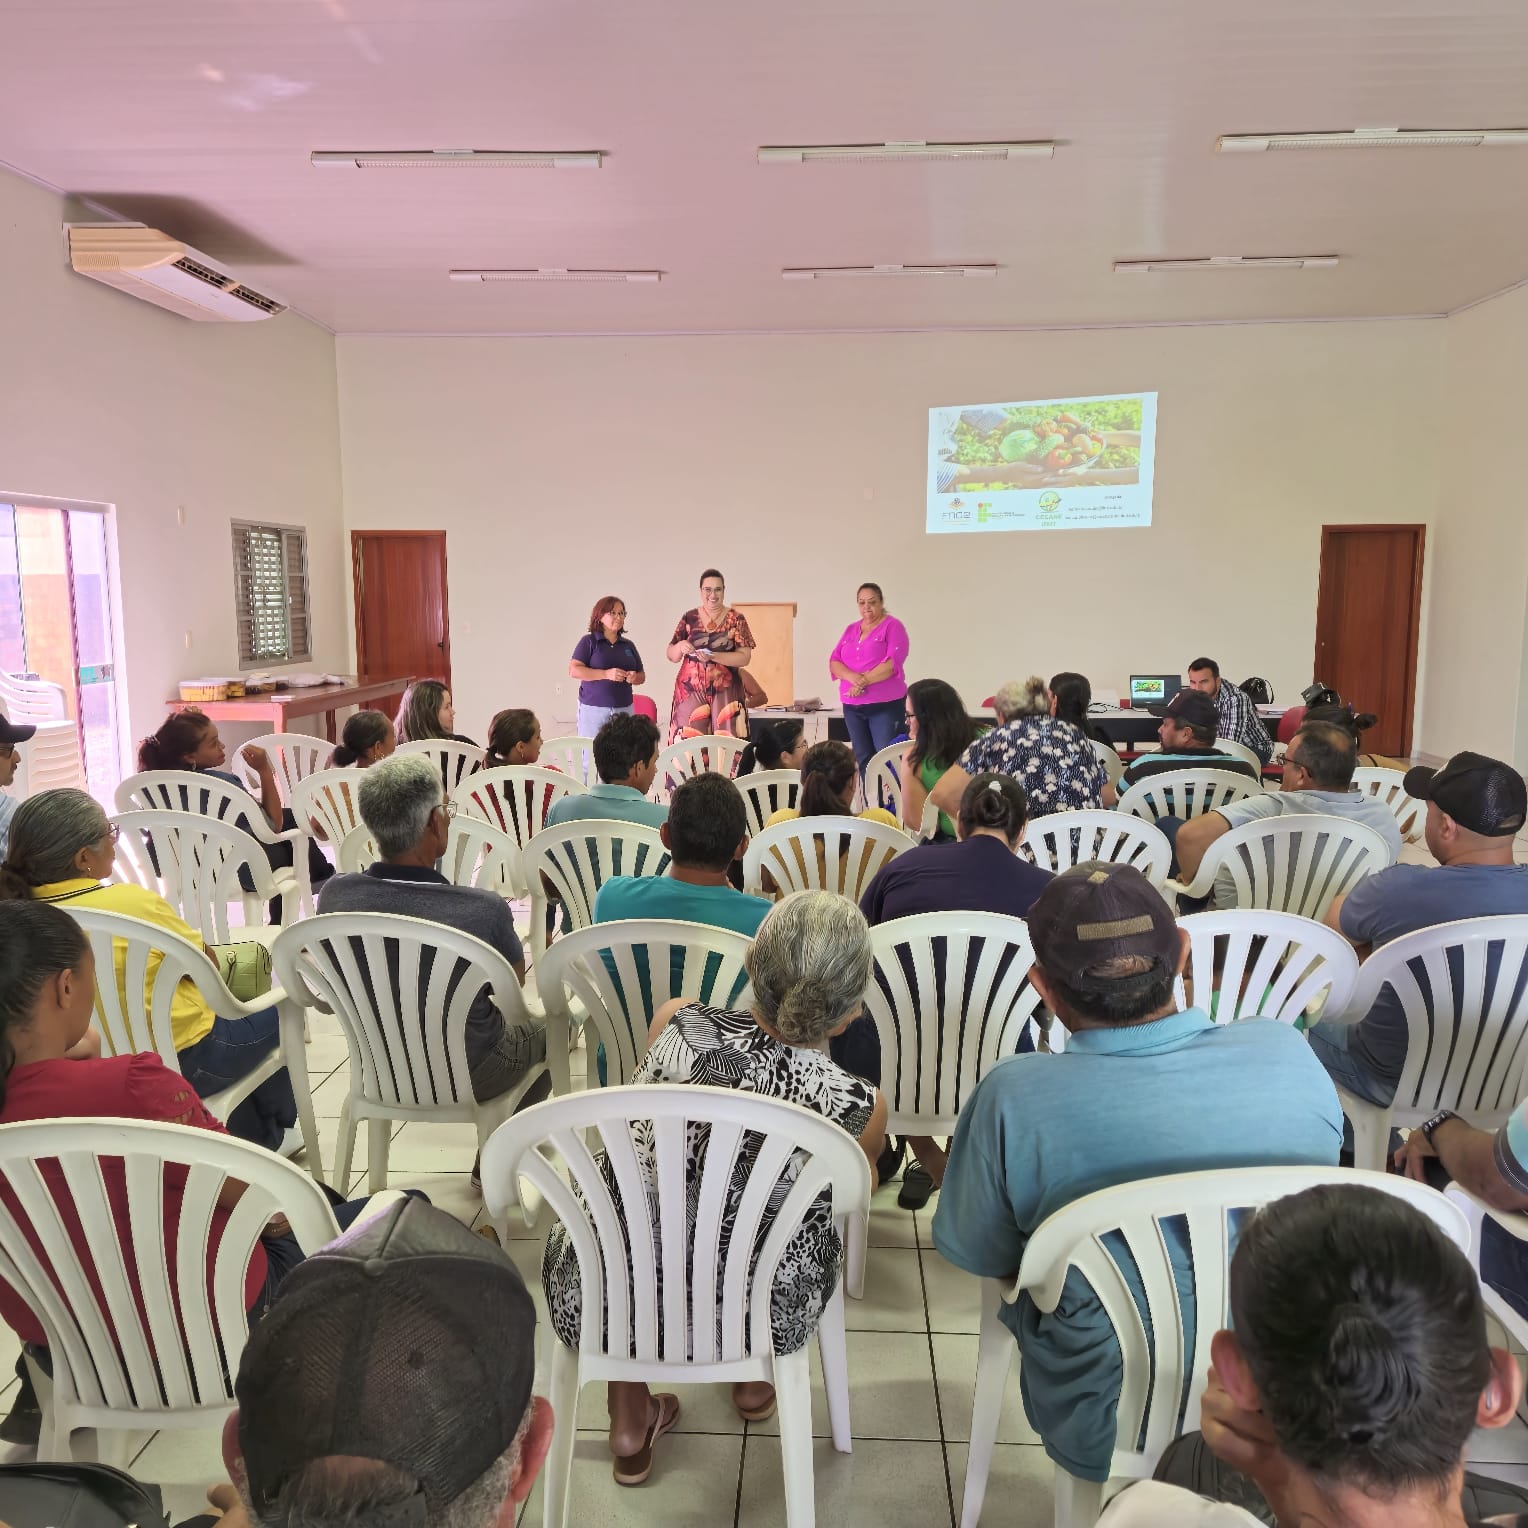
<point>270,571</point>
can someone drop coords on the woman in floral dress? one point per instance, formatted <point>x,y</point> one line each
<point>712,645</point>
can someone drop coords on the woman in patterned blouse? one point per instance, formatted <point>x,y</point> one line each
<point>809,966</point>
<point>1050,758</point>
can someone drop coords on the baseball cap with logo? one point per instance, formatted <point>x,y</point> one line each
<point>409,1340</point>
<point>1097,912</point>
<point>1192,708</point>
<point>1479,793</point>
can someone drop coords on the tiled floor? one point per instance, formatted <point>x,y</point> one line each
<point>912,1355</point>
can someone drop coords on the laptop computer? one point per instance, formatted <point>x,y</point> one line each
<point>1151,692</point>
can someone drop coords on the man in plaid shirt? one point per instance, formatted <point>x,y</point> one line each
<point>1238,716</point>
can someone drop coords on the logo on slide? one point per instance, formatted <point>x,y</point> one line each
<point>1050,502</point>
<point>957,513</point>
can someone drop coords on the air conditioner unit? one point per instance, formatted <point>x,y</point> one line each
<point>148,264</point>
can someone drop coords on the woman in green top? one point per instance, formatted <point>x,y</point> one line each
<point>939,730</point>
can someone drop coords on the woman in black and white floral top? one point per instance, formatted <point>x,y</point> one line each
<point>809,966</point>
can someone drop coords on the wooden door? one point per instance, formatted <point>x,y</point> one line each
<point>1368,615</point>
<point>401,621</point>
<point>773,663</point>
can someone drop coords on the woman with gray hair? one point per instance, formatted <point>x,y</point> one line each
<point>809,966</point>
<point>1049,757</point>
<point>62,848</point>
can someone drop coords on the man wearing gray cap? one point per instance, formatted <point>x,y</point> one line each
<point>390,1384</point>
<point>1475,809</point>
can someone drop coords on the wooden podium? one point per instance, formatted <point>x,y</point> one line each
<point>773,665</point>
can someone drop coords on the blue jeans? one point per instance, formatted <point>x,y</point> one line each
<point>592,718</point>
<point>873,727</point>
<point>1330,1043</point>
<point>233,1049</point>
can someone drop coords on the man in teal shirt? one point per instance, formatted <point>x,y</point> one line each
<point>626,760</point>
<point>1142,1090</point>
<point>706,830</point>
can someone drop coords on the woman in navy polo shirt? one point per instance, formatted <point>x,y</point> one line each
<point>606,664</point>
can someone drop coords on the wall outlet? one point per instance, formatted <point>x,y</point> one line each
<point>558,688</point>
<point>188,641</point>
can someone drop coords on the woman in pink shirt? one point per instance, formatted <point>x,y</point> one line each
<point>867,663</point>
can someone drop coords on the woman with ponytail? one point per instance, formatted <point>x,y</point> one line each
<point>368,738</point>
<point>808,967</point>
<point>1345,1393</point>
<point>829,780</point>
<point>774,745</point>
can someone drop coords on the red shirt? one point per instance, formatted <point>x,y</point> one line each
<point>138,1086</point>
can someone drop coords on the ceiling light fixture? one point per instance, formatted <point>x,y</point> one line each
<point>456,159</point>
<point>1374,138</point>
<point>849,153</point>
<point>1227,263</point>
<point>818,272</point>
<point>554,273</point>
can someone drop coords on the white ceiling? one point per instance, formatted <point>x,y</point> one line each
<point>199,116</point>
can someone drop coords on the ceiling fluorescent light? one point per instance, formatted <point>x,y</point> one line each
<point>816,272</point>
<point>1373,138</point>
<point>1227,263</point>
<point>480,159</point>
<point>554,273</point>
<point>850,153</point>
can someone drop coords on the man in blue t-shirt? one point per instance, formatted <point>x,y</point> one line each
<point>1476,806</point>
<point>1141,1091</point>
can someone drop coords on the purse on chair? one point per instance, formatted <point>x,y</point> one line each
<point>77,1496</point>
<point>245,969</point>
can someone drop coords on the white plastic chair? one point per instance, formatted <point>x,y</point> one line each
<point>620,974</point>
<point>204,865</point>
<point>695,756</point>
<point>133,1013</point>
<point>1162,1360</point>
<point>515,799</point>
<point>883,788</point>
<point>1299,863</point>
<point>1272,965</point>
<point>407,1040</point>
<point>455,760</point>
<point>184,790</point>
<point>1240,751</point>
<point>1185,793</point>
<point>167,1357</point>
<point>476,855</point>
<point>839,854</point>
<point>1060,840</point>
<point>766,792</point>
<point>950,995</point>
<point>1114,766</point>
<point>332,799</point>
<point>1389,786</point>
<point>647,1315</point>
<point>578,858</point>
<point>573,756</point>
<point>294,756</point>
<point>1464,990</point>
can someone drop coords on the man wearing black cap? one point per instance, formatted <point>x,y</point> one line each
<point>10,762</point>
<point>390,1384</point>
<point>1475,808</point>
<point>1140,1090</point>
<point>1188,733</point>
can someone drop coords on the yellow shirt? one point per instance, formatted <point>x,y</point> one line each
<point>871,814</point>
<point>190,1017</point>
<point>789,814</point>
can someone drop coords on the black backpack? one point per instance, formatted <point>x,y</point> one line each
<point>77,1496</point>
<point>1258,691</point>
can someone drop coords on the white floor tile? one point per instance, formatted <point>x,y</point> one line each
<point>893,1293</point>
<point>183,1462</point>
<point>878,1485</point>
<point>693,1485</point>
<point>891,1393</point>
<point>954,1296</point>
<point>955,1370</point>
<point>890,1226</point>
<point>1020,1489</point>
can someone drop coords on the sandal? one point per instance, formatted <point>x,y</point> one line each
<point>756,1413</point>
<point>633,1469</point>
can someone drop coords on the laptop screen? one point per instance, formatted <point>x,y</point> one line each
<point>1152,689</point>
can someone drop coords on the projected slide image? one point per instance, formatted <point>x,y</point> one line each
<point>1058,463</point>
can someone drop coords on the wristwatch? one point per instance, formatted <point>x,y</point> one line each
<point>1429,1126</point>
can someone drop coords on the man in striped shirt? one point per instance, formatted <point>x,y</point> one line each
<point>1238,716</point>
